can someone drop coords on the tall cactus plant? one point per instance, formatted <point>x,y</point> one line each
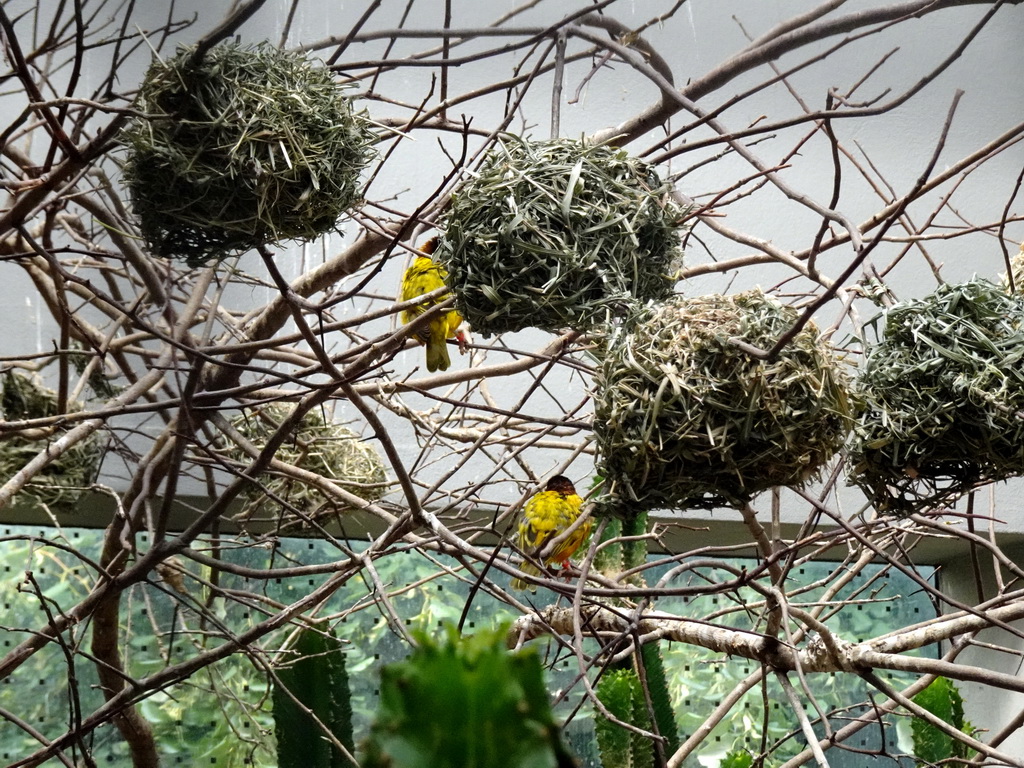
<point>622,695</point>
<point>614,559</point>
<point>318,679</point>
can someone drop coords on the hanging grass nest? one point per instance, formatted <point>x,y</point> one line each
<point>684,418</point>
<point>557,234</point>
<point>943,398</point>
<point>62,482</point>
<point>316,445</point>
<point>245,147</point>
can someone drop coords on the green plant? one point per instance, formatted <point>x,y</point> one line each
<point>931,745</point>
<point>658,690</point>
<point>738,758</point>
<point>621,693</point>
<point>621,690</point>
<point>318,682</point>
<point>462,702</point>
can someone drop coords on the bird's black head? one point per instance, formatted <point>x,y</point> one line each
<point>430,246</point>
<point>561,484</point>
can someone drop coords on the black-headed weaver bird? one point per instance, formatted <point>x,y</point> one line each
<point>547,515</point>
<point>424,276</point>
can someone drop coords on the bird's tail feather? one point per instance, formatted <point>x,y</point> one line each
<point>437,349</point>
<point>519,585</point>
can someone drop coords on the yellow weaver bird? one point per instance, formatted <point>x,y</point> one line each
<point>424,276</point>
<point>546,516</point>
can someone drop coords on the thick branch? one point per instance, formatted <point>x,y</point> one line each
<point>815,656</point>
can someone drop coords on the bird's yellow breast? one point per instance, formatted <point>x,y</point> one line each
<point>547,515</point>
<point>424,276</point>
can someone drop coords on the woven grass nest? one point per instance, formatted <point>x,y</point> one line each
<point>556,234</point>
<point>246,147</point>
<point>685,419</point>
<point>62,482</point>
<point>943,398</point>
<point>316,445</point>
<point>1017,270</point>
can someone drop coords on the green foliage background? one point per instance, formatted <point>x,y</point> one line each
<point>222,715</point>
